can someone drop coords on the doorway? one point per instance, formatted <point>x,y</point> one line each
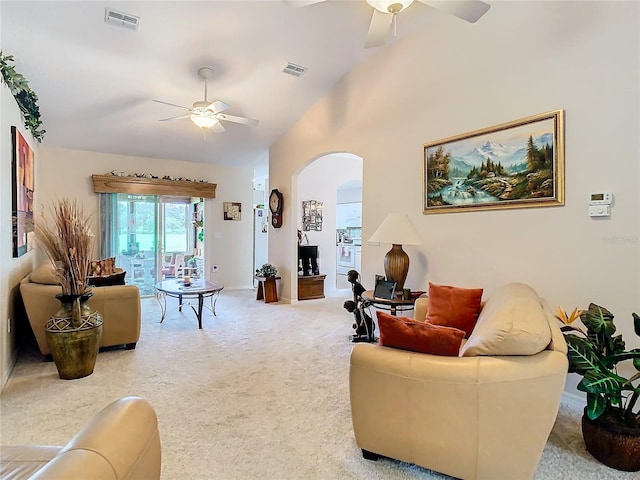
<point>154,237</point>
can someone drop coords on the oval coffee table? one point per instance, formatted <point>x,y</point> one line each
<point>199,288</point>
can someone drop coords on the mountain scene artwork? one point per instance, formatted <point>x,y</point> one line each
<point>507,166</point>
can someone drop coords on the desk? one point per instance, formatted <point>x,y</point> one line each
<point>198,289</point>
<point>394,305</point>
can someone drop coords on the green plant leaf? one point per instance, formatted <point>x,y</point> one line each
<point>599,381</point>
<point>596,404</point>
<point>582,355</point>
<point>598,319</point>
<point>636,363</point>
<point>636,323</point>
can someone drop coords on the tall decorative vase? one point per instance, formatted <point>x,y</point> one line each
<point>73,334</point>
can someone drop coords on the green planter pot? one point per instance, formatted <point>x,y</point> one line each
<point>74,334</point>
<point>614,445</point>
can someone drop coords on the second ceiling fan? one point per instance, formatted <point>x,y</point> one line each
<point>385,11</point>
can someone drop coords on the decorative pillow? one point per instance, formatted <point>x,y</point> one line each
<point>454,307</point>
<point>512,322</point>
<point>408,334</point>
<point>45,274</point>
<point>104,267</point>
<point>108,280</point>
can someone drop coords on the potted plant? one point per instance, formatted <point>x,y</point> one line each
<point>611,420</point>
<point>267,271</point>
<point>74,332</point>
<point>267,289</point>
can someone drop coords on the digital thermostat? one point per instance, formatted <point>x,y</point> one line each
<point>600,198</point>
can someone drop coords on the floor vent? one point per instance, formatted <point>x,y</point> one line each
<point>295,70</point>
<point>121,19</point>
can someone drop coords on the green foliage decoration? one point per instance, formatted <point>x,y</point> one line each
<point>595,354</point>
<point>267,270</point>
<point>25,97</point>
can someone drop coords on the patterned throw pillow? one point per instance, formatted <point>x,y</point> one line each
<point>102,268</point>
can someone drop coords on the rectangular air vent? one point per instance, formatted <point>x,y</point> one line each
<point>121,19</point>
<point>295,70</point>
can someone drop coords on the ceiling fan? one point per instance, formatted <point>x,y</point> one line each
<point>208,115</point>
<point>385,11</point>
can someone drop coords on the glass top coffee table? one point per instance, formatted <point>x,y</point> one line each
<point>198,288</point>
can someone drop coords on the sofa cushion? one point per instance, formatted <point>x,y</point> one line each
<point>409,334</point>
<point>108,280</point>
<point>512,322</point>
<point>45,274</point>
<point>454,307</point>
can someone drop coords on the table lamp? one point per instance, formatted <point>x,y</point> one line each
<point>398,230</point>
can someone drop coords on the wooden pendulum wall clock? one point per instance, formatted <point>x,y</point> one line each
<point>275,205</point>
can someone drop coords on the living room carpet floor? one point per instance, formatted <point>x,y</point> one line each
<point>261,392</point>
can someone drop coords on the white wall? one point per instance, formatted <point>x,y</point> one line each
<point>320,181</point>
<point>521,59</point>
<point>12,270</point>
<point>228,244</point>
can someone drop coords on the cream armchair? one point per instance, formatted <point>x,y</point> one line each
<point>120,442</point>
<point>473,417</point>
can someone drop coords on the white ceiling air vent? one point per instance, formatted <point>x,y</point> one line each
<point>121,19</point>
<point>295,70</point>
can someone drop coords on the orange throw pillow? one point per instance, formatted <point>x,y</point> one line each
<point>454,307</point>
<point>408,334</point>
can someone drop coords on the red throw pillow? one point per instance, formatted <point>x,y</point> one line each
<point>408,334</point>
<point>454,307</point>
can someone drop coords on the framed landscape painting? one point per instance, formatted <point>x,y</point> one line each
<point>22,170</point>
<point>512,165</point>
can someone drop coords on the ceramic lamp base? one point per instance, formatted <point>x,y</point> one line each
<point>396,266</point>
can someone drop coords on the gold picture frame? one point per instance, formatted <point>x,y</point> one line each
<point>518,164</point>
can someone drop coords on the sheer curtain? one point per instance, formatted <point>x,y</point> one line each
<point>108,235</point>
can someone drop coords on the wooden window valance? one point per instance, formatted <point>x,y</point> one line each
<point>152,186</point>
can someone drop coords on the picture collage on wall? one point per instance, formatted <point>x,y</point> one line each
<point>311,215</point>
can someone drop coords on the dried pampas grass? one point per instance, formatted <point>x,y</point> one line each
<point>68,242</point>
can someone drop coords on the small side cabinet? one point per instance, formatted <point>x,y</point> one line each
<point>310,287</point>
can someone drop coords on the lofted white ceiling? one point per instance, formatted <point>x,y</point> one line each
<point>96,81</point>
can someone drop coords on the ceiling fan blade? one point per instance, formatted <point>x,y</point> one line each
<point>301,3</point>
<point>233,118</point>
<point>217,128</point>
<point>174,118</point>
<point>218,106</point>
<point>469,10</point>
<point>172,104</point>
<point>379,29</point>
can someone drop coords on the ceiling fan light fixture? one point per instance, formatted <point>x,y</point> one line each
<point>204,121</point>
<point>389,6</point>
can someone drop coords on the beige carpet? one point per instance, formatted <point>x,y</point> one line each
<point>260,393</point>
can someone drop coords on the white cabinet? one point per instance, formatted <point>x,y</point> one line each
<point>349,215</point>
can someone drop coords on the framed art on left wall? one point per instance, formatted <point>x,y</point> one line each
<point>22,171</point>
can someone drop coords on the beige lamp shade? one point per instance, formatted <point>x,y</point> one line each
<point>396,229</point>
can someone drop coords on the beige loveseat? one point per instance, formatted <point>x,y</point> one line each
<point>120,442</point>
<point>118,304</point>
<point>474,417</point>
